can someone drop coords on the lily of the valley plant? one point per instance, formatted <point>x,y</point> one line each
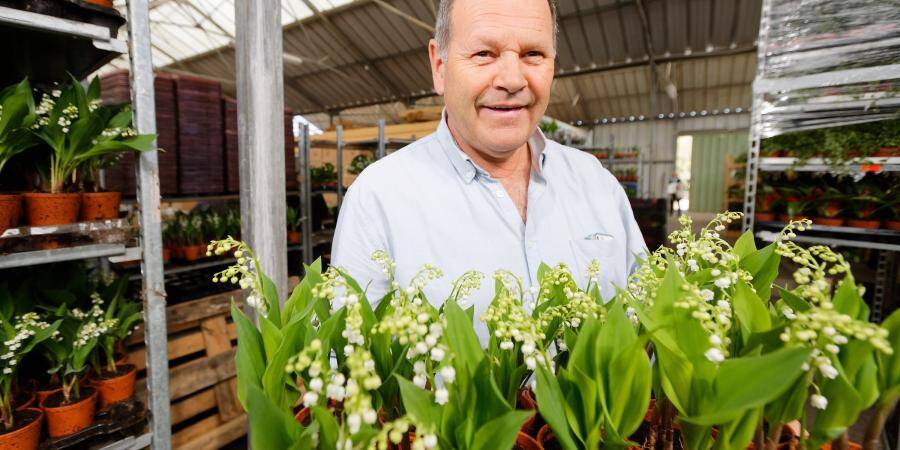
<point>20,336</point>
<point>696,328</point>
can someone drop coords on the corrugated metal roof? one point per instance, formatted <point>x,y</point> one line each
<point>349,54</point>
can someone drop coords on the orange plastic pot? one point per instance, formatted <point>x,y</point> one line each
<point>10,209</point>
<point>293,237</point>
<point>43,394</point>
<point>893,225</point>
<point>526,442</point>
<point>63,420</point>
<point>43,209</point>
<point>100,205</point>
<point>27,401</point>
<point>103,3</point>
<point>829,221</point>
<point>765,217</point>
<point>115,389</point>
<point>868,224</point>
<point>26,437</point>
<point>191,252</point>
<point>853,446</point>
<point>167,255</point>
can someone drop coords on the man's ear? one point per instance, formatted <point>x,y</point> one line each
<point>437,67</point>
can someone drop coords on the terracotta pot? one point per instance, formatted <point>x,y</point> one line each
<point>651,409</point>
<point>191,252</point>
<point>64,420</point>
<point>526,442</point>
<point>293,237</point>
<point>100,205</point>
<point>829,221</point>
<point>51,209</point>
<point>118,388</point>
<point>859,223</point>
<point>42,394</point>
<point>28,399</point>
<point>892,225</point>
<point>177,252</point>
<point>853,446</point>
<point>26,437</point>
<point>887,152</point>
<point>545,437</point>
<point>167,255</point>
<point>103,3</point>
<point>10,209</point>
<point>304,417</point>
<point>764,217</point>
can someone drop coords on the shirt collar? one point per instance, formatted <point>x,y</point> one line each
<point>467,169</point>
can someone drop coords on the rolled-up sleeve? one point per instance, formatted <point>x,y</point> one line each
<point>358,234</point>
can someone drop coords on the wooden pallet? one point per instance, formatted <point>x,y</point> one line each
<point>205,411</point>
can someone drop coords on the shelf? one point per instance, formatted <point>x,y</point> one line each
<point>771,236</point>
<point>60,45</point>
<point>130,443</point>
<point>201,198</point>
<point>78,227</point>
<point>60,254</point>
<point>868,232</point>
<point>867,165</point>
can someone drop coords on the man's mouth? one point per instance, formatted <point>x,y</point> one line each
<point>505,108</point>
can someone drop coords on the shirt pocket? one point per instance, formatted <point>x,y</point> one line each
<point>604,252</point>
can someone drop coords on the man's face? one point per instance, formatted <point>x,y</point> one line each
<point>497,72</point>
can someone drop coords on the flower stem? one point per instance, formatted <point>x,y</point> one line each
<point>774,436</point>
<point>876,424</point>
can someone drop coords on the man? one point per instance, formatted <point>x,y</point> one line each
<point>487,191</point>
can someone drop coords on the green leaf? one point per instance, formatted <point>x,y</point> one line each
<point>461,336</point>
<point>793,300</point>
<point>745,245</point>
<point>249,359</point>
<point>500,432</point>
<point>752,313</point>
<point>275,378</point>
<point>628,390</point>
<point>270,427</point>
<point>552,405</point>
<point>419,404</point>
<point>848,301</point>
<point>328,428</point>
<point>763,265</point>
<point>271,335</point>
<point>889,365</point>
<point>270,292</point>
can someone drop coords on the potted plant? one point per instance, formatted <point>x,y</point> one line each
<point>829,205</point>
<point>866,202</point>
<point>359,163</point>
<point>78,130</point>
<point>889,138</point>
<point>293,220</point>
<point>796,201</point>
<point>765,202</point>
<point>324,176</point>
<point>19,428</point>
<point>72,408</point>
<point>16,118</point>
<point>189,229</point>
<point>115,381</point>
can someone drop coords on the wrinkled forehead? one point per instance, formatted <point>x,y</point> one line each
<point>499,23</point>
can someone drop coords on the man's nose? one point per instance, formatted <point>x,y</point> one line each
<point>510,77</point>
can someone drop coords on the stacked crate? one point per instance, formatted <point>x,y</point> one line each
<point>290,169</point>
<point>116,89</point>
<point>200,166</point>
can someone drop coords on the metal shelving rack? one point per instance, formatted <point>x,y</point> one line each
<point>379,147</point>
<point>104,48</point>
<point>770,119</point>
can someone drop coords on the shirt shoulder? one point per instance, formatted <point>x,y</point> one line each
<point>401,167</point>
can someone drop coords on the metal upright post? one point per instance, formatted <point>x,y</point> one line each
<point>260,99</point>
<point>752,169</point>
<point>340,166</point>
<point>153,286</point>
<point>380,152</point>
<point>306,194</point>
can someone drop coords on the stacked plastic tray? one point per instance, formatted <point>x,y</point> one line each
<point>290,169</point>
<point>232,165</point>
<point>201,169</point>
<point>116,89</point>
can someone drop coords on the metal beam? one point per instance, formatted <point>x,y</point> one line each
<point>153,287</point>
<point>415,21</point>
<point>360,55</point>
<point>260,99</point>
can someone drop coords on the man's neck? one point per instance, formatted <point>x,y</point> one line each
<point>515,164</point>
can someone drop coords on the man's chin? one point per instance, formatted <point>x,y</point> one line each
<point>504,141</point>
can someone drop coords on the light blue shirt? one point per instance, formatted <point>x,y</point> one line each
<point>430,203</point>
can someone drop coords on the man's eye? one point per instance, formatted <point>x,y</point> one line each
<point>483,54</point>
<point>534,54</point>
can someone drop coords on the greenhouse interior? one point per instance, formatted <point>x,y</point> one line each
<point>439,224</point>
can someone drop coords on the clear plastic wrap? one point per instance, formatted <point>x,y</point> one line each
<point>829,63</point>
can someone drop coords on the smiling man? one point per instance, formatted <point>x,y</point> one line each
<point>487,191</point>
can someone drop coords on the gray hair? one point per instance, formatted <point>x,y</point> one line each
<point>442,26</point>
